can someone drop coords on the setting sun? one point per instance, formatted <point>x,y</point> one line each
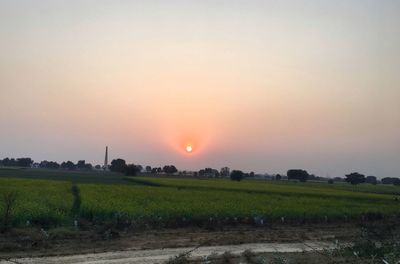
<point>189,148</point>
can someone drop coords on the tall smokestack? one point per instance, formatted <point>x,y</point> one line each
<point>106,159</point>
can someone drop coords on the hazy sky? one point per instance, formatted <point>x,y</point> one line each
<point>253,85</point>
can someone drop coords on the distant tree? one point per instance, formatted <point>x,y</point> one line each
<point>371,180</point>
<point>69,165</point>
<point>297,174</point>
<point>396,181</point>
<point>225,172</point>
<point>24,162</point>
<point>338,179</point>
<point>52,165</point>
<point>391,180</point>
<point>169,169</point>
<point>118,165</point>
<point>251,174</point>
<point>154,170</point>
<point>355,178</point>
<point>173,169</point>
<point>278,177</point>
<point>97,167</point>
<point>148,169</point>
<point>139,168</point>
<point>237,175</point>
<point>9,162</point>
<point>88,166</point>
<point>80,164</point>
<point>330,181</point>
<point>159,170</point>
<point>131,170</point>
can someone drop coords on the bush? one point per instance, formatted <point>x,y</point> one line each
<point>237,175</point>
<point>9,201</point>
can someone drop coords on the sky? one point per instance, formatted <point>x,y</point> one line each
<point>262,86</point>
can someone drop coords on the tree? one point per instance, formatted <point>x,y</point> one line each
<point>251,174</point>
<point>330,181</point>
<point>24,162</point>
<point>139,168</point>
<point>225,172</point>
<point>300,175</point>
<point>237,175</point>
<point>338,179</point>
<point>69,165</point>
<point>355,178</point>
<point>391,180</point>
<point>371,180</point>
<point>278,177</point>
<point>148,169</point>
<point>131,170</point>
<point>49,164</point>
<point>169,169</point>
<point>118,165</point>
<point>80,164</point>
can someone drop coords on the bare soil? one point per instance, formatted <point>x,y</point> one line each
<point>68,241</point>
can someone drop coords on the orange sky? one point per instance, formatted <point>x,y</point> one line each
<point>253,85</point>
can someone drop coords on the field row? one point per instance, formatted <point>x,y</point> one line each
<point>46,202</point>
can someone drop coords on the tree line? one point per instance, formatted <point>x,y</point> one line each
<point>120,166</point>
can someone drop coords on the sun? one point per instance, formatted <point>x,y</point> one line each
<point>189,148</point>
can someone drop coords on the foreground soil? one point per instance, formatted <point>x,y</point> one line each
<point>68,241</point>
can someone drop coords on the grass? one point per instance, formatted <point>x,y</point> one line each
<point>45,198</point>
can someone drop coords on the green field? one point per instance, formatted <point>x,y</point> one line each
<point>45,198</point>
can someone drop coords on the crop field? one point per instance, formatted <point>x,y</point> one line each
<point>157,201</point>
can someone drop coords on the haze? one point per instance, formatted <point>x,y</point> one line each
<point>254,85</point>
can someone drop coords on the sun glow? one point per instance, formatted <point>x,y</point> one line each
<point>189,148</point>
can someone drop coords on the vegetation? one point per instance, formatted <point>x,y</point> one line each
<point>237,175</point>
<point>300,175</point>
<point>164,201</point>
<point>355,178</point>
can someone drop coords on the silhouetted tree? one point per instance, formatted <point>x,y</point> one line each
<point>391,180</point>
<point>69,165</point>
<point>252,174</point>
<point>237,175</point>
<point>330,181</point>
<point>97,167</point>
<point>371,180</point>
<point>139,168</point>
<point>169,169</point>
<point>80,164</point>
<point>225,172</point>
<point>24,162</point>
<point>300,175</point>
<point>355,178</point>
<point>131,170</point>
<point>148,169</point>
<point>49,164</point>
<point>118,165</point>
<point>278,177</point>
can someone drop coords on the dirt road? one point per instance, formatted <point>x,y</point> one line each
<point>162,255</point>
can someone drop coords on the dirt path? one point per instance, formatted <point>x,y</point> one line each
<point>162,255</point>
